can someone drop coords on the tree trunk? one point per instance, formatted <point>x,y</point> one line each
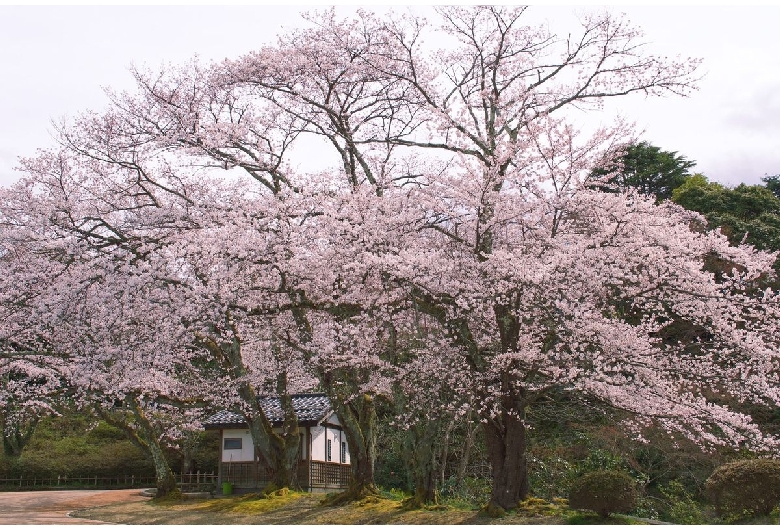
<point>505,438</point>
<point>143,434</point>
<point>445,450</point>
<point>166,480</point>
<point>505,434</point>
<point>278,451</point>
<point>15,437</point>
<point>466,456</point>
<point>358,419</point>
<point>420,450</point>
<point>274,449</point>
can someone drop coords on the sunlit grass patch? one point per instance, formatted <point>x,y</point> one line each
<point>252,502</point>
<point>534,506</point>
<point>373,509</point>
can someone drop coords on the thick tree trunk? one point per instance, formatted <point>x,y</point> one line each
<point>505,434</point>
<point>358,419</point>
<point>274,449</point>
<point>14,442</point>
<point>142,433</point>
<point>425,491</point>
<point>278,451</point>
<point>166,480</point>
<point>505,438</point>
<point>420,450</point>
<point>15,437</point>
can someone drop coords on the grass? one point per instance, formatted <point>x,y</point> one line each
<point>291,507</point>
<point>252,503</point>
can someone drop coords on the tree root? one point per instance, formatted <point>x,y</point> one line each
<point>493,510</point>
<point>361,492</point>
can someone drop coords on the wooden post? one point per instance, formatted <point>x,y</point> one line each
<point>220,478</point>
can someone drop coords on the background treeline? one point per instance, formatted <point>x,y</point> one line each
<point>77,444</point>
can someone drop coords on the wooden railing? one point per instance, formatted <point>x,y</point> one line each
<point>317,474</point>
<point>193,482</point>
<point>187,482</point>
<point>330,474</point>
<point>245,474</point>
<point>63,482</point>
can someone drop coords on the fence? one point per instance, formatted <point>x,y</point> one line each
<point>192,482</point>
<point>187,482</point>
<point>315,474</point>
<point>330,474</point>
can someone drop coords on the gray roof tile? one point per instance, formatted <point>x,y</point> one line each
<point>310,408</point>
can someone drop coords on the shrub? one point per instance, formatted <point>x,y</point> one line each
<point>683,508</point>
<point>745,488</point>
<point>470,494</point>
<point>604,492</point>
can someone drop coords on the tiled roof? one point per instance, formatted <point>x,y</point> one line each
<point>310,408</point>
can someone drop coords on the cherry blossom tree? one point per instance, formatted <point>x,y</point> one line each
<point>145,241</point>
<point>461,190</point>
<point>81,311</point>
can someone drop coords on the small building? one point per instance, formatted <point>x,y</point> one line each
<point>324,463</point>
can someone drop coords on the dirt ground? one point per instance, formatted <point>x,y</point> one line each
<point>292,508</point>
<point>53,507</point>
<point>305,509</point>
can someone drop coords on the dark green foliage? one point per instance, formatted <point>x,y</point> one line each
<point>683,507</point>
<point>470,493</point>
<point>390,470</point>
<point>745,488</point>
<point>203,452</point>
<point>772,183</point>
<point>647,169</point>
<point>749,213</point>
<point>77,446</point>
<point>569,438</point>
<point>604,492</point>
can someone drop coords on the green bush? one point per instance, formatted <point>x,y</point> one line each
<point>472,493</point>
<point>76,445</point>
<point>604,492</point>
<point>683,508</point>
<point>745,488</point>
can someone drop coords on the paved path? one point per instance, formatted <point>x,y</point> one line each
<point>52,507</point>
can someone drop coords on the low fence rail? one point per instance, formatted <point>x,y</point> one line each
<point>187,482</point>
<point>330,474</point>
<point>194,482</point>
<point>308,474</point>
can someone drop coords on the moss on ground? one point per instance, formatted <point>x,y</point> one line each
<point>251,503</point>
<point>291,507</point>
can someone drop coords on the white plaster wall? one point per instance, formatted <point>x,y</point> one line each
<point>247,451</point>
<point>319,437</point>
<point>343,438</point>
<point>318,443</point>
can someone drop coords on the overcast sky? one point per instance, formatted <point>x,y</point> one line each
<point>55,60</point>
